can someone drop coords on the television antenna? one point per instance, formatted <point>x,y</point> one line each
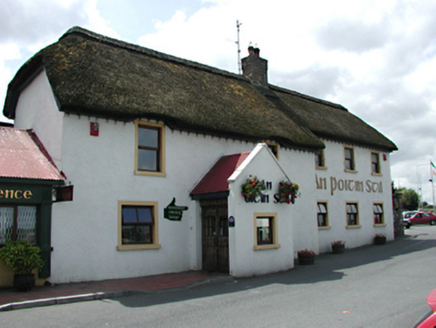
<point>238,26</point>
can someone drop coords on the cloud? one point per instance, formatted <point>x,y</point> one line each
<point>349,35</point>
<point>25,21</point>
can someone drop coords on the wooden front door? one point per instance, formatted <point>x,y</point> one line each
<point>215,235</point>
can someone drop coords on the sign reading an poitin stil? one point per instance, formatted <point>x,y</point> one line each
<point>173,212</point>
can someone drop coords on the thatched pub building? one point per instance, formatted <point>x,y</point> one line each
<point>154,151</point>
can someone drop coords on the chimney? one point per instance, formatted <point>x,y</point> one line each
<point>255,68</point>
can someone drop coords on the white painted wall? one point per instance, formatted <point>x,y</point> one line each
<point>36,109</point>
<point>244,260</point>
<point>334,159</point>
<point>84,231</point>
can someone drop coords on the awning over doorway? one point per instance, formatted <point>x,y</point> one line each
<point>214,184</point>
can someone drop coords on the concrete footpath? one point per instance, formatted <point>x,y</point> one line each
<point>11,299</point>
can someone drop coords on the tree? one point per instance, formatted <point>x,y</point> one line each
<point>410,199</point>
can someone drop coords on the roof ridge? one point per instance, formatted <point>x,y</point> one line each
<point>147,51</point>
<point>307,97</point>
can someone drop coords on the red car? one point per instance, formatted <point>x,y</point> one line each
<point>430,321</point>
<point>420,218</point>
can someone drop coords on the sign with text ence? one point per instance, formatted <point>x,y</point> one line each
<point>15,194</point>
<point>173,212</point>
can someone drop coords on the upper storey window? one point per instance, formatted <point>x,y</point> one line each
<point>375,163</point>
<point>349,161</point>
<point>320,160</point>
<point>150,152</point>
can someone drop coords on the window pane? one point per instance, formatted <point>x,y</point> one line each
<point>129,215</point>
<point>6,224</point>
<point>128,235</point>
<point>26,223</point>
<point>322,208</point>
<point>148,137</point>
<point>378,209</point>
<point>264,231</point>
<point>262,222</point>
<point>145,215</point>
<point>349,165</point>
<point>147,160</point>
<point>143,234</point>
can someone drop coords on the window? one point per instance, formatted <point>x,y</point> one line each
<point>274,147</point>
<point>265,231</point>
<point>378,214</point>
<point>138,225</point>
<point>150,140</point>
<point>322,215</point>
<point>352,215</point>
<point>18,222</point>
<point>320,159</point>
<point>375,163</point>
<point>349,159</point>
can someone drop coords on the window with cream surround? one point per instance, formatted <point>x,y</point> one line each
<point>352,215</point>
<point>265,227</point>
<point>375,163</point>
<point>322,215</point>
<point>320,160</point>
<point>274,147</point>
<point>349,161</point>
<point>379,219</point>
<point>150,148</point>
<point>137,225</point>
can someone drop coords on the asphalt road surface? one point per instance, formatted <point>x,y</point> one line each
<point>371,286</point>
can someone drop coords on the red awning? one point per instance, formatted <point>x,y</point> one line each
<point>216,179</point>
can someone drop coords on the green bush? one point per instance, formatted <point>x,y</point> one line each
<point>21,256</point>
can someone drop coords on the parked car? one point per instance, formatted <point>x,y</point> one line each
<point>418,218</point>
<point>430,320</point>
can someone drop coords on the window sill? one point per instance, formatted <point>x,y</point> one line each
<point>137,247</point>
<point>350,171</point>
<point>265,247</point>
<point>376,174</point>
<point>151,173</point>
<point>354,226</point>
<point>381,225</point>
<point>324,228</point>
<point>321,168</point>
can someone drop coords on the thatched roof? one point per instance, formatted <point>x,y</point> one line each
<point>98,76</point>
<point>332,121</point>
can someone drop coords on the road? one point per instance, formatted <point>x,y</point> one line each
<point>371,286</point>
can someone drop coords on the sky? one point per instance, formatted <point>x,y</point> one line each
<point>375,58</point>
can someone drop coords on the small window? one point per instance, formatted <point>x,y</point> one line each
<point>322,214</point>
<point>378,214</point>
<point>352,214</point>
<point>349,159</point>
<point>320,159</point>
<point>265,231</point>
<point>138,225</point>
<point>150,142</point>
<point>274,147</point>
<point>375,163</point>
<point>18,223</point>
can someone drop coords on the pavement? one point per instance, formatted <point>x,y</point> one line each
<point>10,299</point>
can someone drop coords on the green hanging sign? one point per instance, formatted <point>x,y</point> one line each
<point>173,212</point>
